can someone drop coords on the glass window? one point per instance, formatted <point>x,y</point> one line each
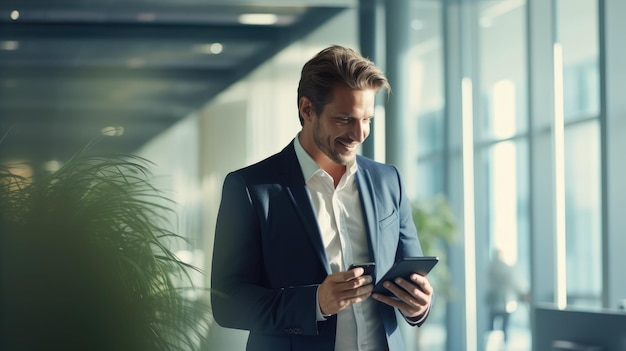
<point>426,73</point>
<point>577,26</point>
<point>427,107</point>
<point>502,69</point>
<point>582,215</point>
<point>508,242</point>
<point>577,23</point>
<point>501,116</point>
<point>430,178</point>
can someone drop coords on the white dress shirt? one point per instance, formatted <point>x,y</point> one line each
<point>340,219</point>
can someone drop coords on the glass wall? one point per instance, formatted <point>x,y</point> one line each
<point>487,43</point>
<point>578,35</point>
<point>501,125</point>
<point>427,107</point>
<point>583,223</point>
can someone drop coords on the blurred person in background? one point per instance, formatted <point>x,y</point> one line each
<point>505,290</point>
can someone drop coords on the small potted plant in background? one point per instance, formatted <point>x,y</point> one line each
<point>85,263</point>
<point>436,228</point>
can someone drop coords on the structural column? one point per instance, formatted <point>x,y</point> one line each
<point>614,144</point>
<point>369,27</point>
<point>397,63</point>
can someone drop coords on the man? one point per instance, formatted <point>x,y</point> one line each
<point>289,227</point>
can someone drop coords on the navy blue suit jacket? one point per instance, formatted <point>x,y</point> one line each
<point>269,259</point>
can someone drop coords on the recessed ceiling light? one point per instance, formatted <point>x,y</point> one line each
<point>112,131</point>
<point>20,168</point>
<point>262,19</point>
<point>15,14</point>
<point>216,48</point>
<point>9,45</point>
<point>136,62</point>
<point>52,166</point>
<point>146,17</point>
<point>212,48</point>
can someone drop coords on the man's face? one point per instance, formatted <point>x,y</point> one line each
<point>343,124</point>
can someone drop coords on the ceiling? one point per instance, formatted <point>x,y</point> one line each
<point>69,68</point>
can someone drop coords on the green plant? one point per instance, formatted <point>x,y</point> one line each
<point>436,227</point>
<point>85,263</point>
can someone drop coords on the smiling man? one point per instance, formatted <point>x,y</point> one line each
<point>290,226</point>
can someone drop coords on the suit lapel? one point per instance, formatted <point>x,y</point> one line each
<point>366,193</point>
<point>296,188</point>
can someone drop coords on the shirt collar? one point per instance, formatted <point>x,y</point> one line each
<point>309,166</point>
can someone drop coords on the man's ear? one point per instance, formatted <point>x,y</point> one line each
<point>306,108</point>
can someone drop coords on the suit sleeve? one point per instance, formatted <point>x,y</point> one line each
<point>239,293</point>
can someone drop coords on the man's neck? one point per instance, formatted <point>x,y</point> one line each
<point>335,170</point>
<point>324,162</point>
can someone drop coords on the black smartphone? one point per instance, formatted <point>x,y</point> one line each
<point>404,269</point>
<point>368,267</point>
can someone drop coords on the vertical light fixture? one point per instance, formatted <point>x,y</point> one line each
<point>558,147</point>
<point>467,109</point>
<point>504,171</point>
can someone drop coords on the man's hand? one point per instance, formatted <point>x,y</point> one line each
<point>413,297</point>
<point>340,290</point>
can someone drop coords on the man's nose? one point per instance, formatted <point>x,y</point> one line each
<point>360,131</point>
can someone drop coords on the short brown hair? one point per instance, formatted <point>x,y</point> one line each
<point>337,65</point>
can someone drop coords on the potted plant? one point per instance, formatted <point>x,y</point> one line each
<point>85,263</point>
<point>436,227</point>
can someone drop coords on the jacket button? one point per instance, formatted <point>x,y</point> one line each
<point>294,331</point>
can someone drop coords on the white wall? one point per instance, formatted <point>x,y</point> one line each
<point>175,170</point>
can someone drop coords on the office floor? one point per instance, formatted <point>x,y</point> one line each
<point>435,339</point>
<point>520,340</point>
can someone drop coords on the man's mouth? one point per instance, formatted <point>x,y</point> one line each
<point>350,146</point>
